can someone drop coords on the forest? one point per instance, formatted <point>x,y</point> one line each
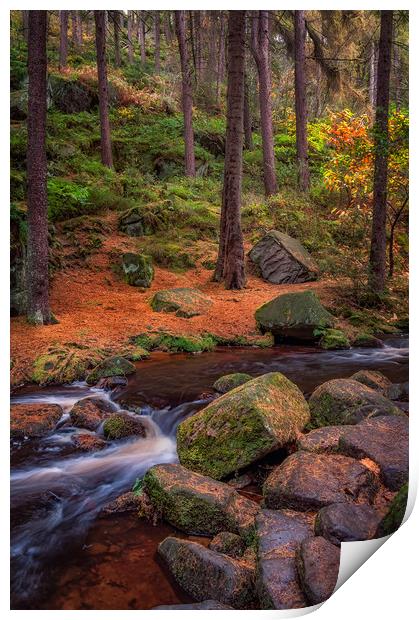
<point>209,217</point>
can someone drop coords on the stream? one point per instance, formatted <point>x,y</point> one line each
<point>59,561</point>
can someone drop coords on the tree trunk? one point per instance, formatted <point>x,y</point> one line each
<point>142,38</point>
<point>167,28</point>
<point>300,101</point>
<point>157,42</point>
<point>260,50</point>
<point>105,130</point>
<point>25,24</point>
<point>378,232</point>
<point>221,58</point>
<point>130,38</point>
<point>63,40</point>
<point>186,94</point>
<point>198,44</point>
<point>397,73</point>
<point>38,310</point>
<point>230,262</point>
<point>247,120</point>
<point>76,32</point>
<point>373,76</point>
<point>117,37</point>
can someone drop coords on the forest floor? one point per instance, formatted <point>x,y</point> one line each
<point>96,308</point>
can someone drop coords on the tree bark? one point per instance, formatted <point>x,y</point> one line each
<point>142,38</point>
<point>186,94</point>
<point>247,120</point>
<point>230,262</point>
<point>373,76</point>
<point>167,28</point>
<point>300,101</point>
<point>157,42</point>
<point>76,32</point>
<point>260,50</point>
<point>221,58</point>
<point>130,38</point>
<point>198,44</point>
<point>105,130</point>
<point>38,310</point>
<point>63,40</point>
<point>378,233</point>
<point>117,37</point>
<point>25,24</point>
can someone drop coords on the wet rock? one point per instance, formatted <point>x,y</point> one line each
<point>346,522</point>
<point>184,302</point>
<point>205,574</point>
<point>280,259</point>
<point>308,481</point>
<point>229,382</point>
<point>384,440</point>
<point>90,412</point>
<point>345,401</point>
<point>33,419</point>
<point>197,504</point>
<point>228,543</point>
<point>398,391</point>
<point>243,425</point>
<point>87,442</point>
<point>120,425</point>
<point>318,564</point>
<point>203,605</point>
<point>110,367</point>
<point>240,482</point>
<point>127,502</point>
<point>367,341</point>
<point>395,515</point>
<point>110,383</point>
<point>373,379</point>
<point>294,315</point>
<point>333,339</point>
<point>278,537</point>
<point>138,269</point>
<point>325,439</point>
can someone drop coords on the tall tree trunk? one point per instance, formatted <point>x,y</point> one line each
<point>247,120</point>
<point>260,50</point>
<point>396,73</point>
<point>25,24</point>
<point>117,37</point>
<point>142,37</point>
<point>198,44</point>
<point>378,232</point>
<point>230,262</point>
<point>157,42</point>
<point>105,130</point>
<point>373,76</point>
<point>192,40</point>
<point>300,101</point>
<point>63,40</point>
<point>76,32</point>
<point>130,38</point>
<point>167,28</point>
<point>221,58</point>
<point>186,94</point>
<point>38,310</point>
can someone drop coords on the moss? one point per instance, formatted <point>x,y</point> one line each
<point>63,365</point>
<point>138,269</point>
<point>111,367</point>
<point>229,382</point>
<point>138,354</point>
<point>394,517</point>
<point>122,425</point>
<point>333,339</point>
<point>165,341</point>
<point>262,342</point>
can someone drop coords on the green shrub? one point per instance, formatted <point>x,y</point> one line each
<point>66,199</point>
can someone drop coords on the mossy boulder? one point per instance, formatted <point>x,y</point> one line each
<point>228,543</point>
<point>345,401</point>
<point>120,425</point>
<point>395,515</point>
<point>367,341</point>
<point>333,339</point>
<point>206,574</point>
<point>242,426</point>
<point>184,302</point>
<point>173,343</point>
<point>111,367</point>
<point>90,412</point>
<point>229,382</point>
<point>70,95</point>
<point>64,364</point>
<point>138,269</point>
<point>33,419</point>
<point>131,223</point>
<point>197,504</point>
<point>308,481</point>
<point>296,316</point>
<point>373,379</point>
<point>281,259</point>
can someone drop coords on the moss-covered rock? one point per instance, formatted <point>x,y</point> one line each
<point>120,425</point>
<point>334,339</point>
<point>165,341</point>
<point>33,419</point>
<point>90,412</point>
<point>197,504</point>
<point>344,401</point>
<point>110,367</point>
<point>366,340</point>
<point>395,515</point>
<point>70,95</point>
<point>228,543</point>
<point>63,365</point>
<point>373,379</point>
<point>138,269</point>
<point>206,574</point>
<point>243,425</point>
<point>294,315</point>
<point>229,382</point>
<point>184,302</point>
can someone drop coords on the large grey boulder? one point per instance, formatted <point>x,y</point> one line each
<point>347,522</point>
<point>318,564</point>
<point>280,259</point>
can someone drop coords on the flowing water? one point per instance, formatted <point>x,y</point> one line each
<point>57,494</point>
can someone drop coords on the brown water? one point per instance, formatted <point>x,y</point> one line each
<point>64,555</point>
